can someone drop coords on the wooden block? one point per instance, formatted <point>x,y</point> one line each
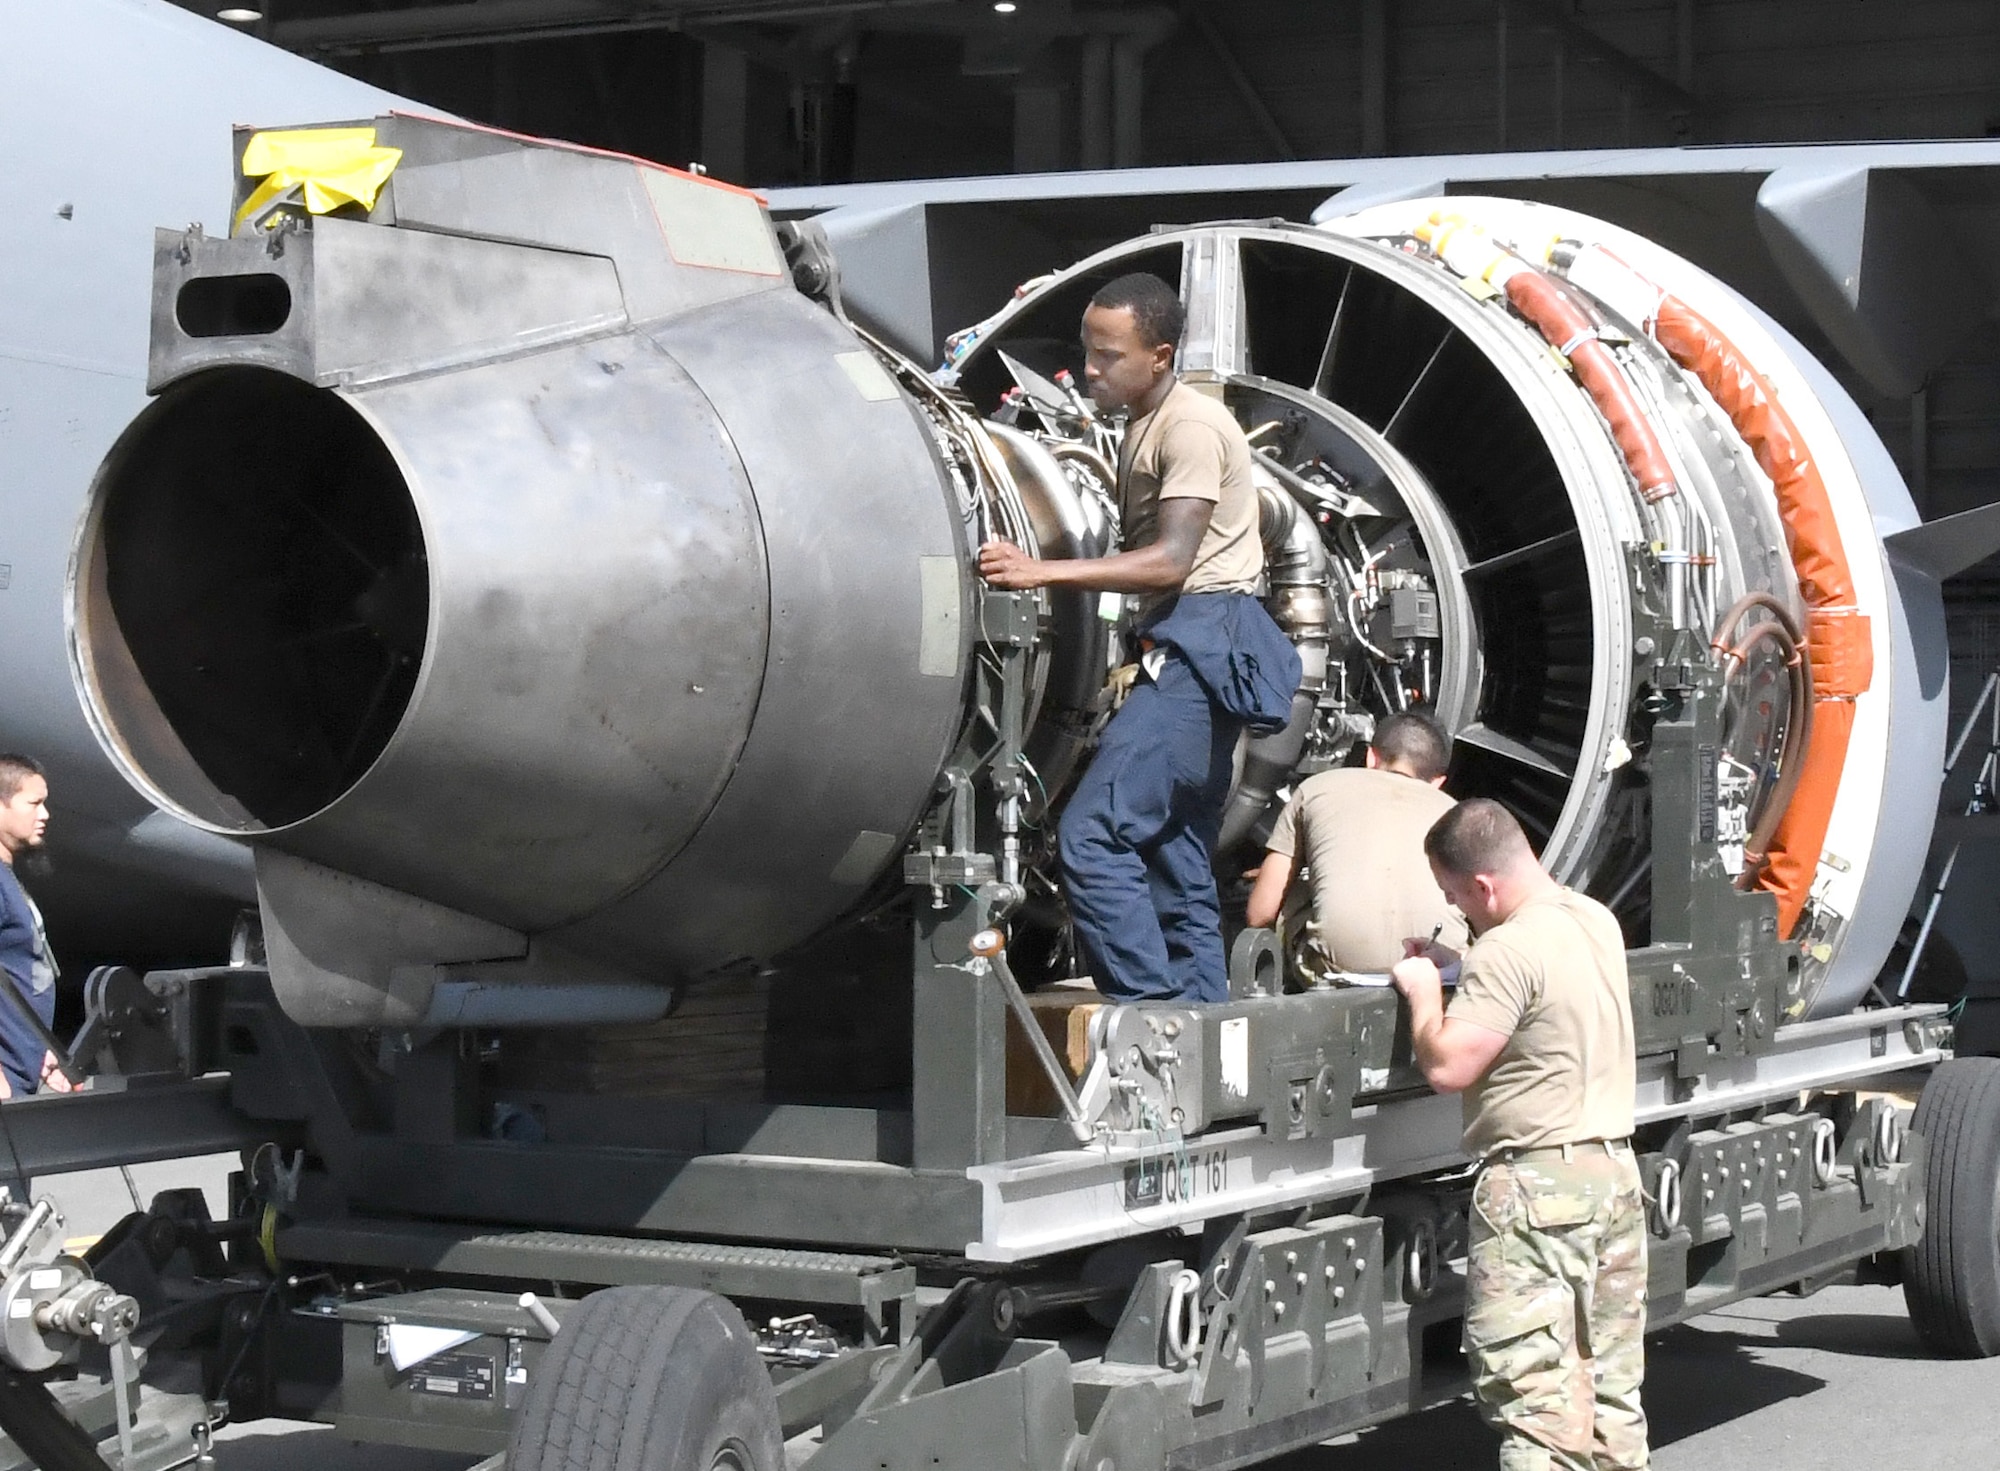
<point>711,1047</point>
<point>1064,1013</point>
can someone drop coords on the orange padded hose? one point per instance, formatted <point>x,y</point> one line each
<point>1567,327</point>
<point>1564,326</point>
<point>1838,639</point>
<point>1839,653</point>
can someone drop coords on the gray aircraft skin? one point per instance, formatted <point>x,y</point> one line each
<point>1876,256</point>
<point>118,116</point>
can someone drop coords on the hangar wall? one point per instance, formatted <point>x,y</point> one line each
<point>1756,70</point>
<point>950,90</point>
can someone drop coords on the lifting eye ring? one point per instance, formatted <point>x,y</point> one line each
<point>1184,1319</point>
<point>1822,1151</point>
<point>1667,1198</point>
<point>1888,1136</point>
<point>1420,1262</point>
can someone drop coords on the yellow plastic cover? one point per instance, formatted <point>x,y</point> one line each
<point>331,167</point>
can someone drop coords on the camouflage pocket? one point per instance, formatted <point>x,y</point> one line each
<point>1561,1194</point>
<point>1510,1289</point>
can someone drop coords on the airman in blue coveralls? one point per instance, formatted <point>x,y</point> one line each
<point>1138,836</point>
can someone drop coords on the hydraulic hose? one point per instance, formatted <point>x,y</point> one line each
<point>1570,323</point>
<point>1744,605</point>
<point>1564,326</point>
<point>1798,721</point>
<point>1567,327</point>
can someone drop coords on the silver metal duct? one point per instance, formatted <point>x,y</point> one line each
<point>614,599</point>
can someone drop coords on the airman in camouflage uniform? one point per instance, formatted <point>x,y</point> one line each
<point>1538,1037</point>
<point>1556,1308</point>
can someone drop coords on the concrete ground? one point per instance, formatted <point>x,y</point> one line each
<point>1834,1381</point>
<point>1777,1384</point>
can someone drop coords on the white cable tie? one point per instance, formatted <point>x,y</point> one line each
<point>1589,334</point>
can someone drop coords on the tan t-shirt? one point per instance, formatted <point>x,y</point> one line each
<point>1361,831</point>
<point>1192,446</point>
<point>1552,976</point>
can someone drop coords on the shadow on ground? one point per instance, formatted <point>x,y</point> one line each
<point>282,1446</point>
<point>1696,1379</point>
<point>1863,1335</point>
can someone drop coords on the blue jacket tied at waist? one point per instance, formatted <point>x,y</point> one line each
<point>1241,656</point>
<point>1138,838</point>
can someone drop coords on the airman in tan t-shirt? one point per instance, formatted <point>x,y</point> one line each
<point>1551,978</point>
<point>1361,832</point>
<point>1137,836</point>
<point>1539,1040</point>
<point>1192,446</point>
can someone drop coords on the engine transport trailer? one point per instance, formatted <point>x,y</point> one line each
<point>655,1045</point>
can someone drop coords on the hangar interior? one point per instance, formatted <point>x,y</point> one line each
<point>500,561</point>
<point>794,94</point>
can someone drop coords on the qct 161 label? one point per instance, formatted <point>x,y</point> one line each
<point>1176,1179</point>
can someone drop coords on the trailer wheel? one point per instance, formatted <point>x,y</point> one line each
<point>650,1379</point>
<point>1951,1278</point>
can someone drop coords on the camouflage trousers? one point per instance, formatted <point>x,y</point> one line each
<point>1556,1309</point>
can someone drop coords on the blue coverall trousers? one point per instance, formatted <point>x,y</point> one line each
<point>1138,842</point>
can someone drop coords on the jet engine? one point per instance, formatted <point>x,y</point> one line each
<point>1550,467</point>
<point>527,556</point>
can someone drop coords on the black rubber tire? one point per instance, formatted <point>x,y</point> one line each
<point>1951,1278</point>
<point>650,1379</point>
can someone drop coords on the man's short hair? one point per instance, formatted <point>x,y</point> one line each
<point>1477,836</point>
<point>1413,742</point>
<point>14,770</point>
<point>1155,306</point>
